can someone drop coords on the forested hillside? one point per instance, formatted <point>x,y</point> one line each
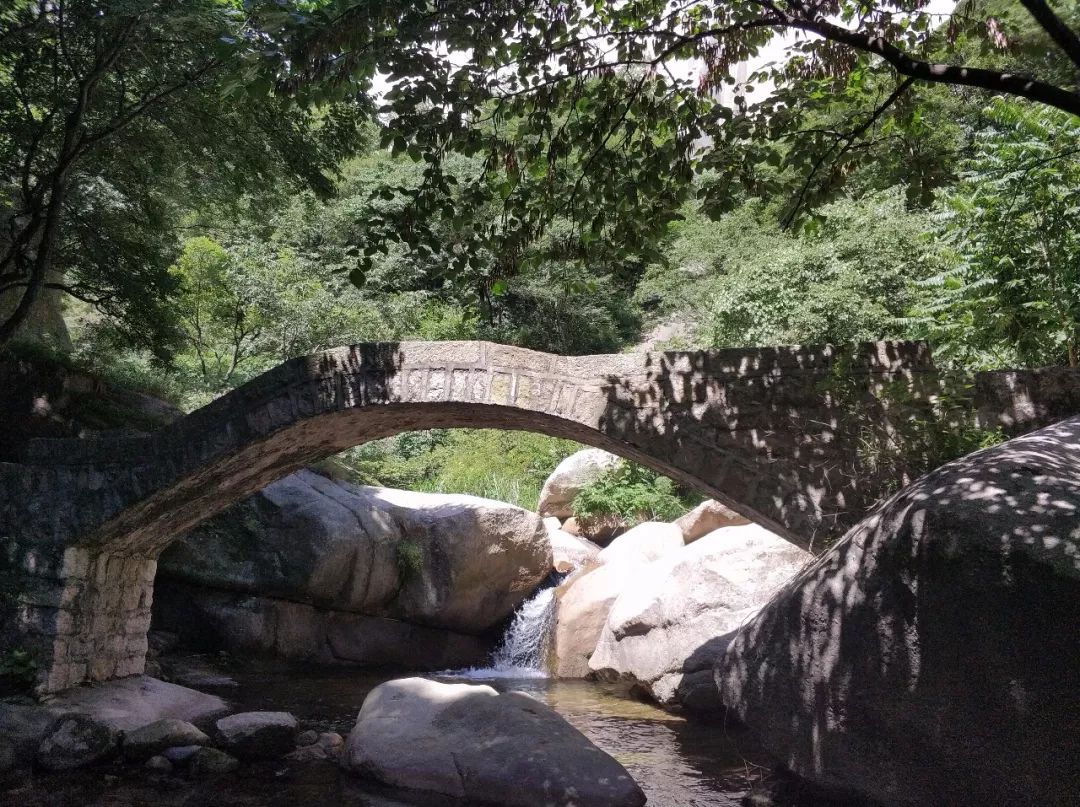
<point>199,219</point>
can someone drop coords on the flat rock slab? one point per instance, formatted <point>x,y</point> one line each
<point>258,735</point>
<point>472,743</point>
<point>131,703</point>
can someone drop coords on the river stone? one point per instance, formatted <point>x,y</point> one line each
<point>644,543</point>
<point>708,517</point>
<point>154,738</point>
<point>258,735</point>
<point>569,478</point>
<point>77,741</point>
<point>447,561</point>
<point>180,755</point>
<point>667,630</point>
<point>581,609</point>
<point>568,552</point>
<point>211,762</point>
<point>309,737</point>
<point>472,743</point>
<point>930,657</point>
<point>327,746</point>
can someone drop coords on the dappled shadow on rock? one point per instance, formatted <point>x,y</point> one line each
<point>931,656</point>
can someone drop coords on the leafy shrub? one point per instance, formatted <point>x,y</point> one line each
<point>632,493</point>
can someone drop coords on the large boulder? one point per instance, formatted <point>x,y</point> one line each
<point>644,543</point>
<point>569,477</point>
<point>930,657</point>
<point>268,625</point>
<point>666,632</point>
<point>472,743</point>
<point>708,517</point>
<point>581,609</point>
<point>452,562</point>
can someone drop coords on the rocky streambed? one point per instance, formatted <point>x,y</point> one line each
<point>675,762</point>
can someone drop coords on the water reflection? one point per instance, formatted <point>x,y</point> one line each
<point>678,763</point>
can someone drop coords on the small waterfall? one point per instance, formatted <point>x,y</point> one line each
<point>527,641</point>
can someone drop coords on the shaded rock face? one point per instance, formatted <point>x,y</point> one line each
<point>472,743</point>
<point>931,656</point>
<point>455,563</point>
<point>212,619</point>
<point>669,627</point>
<point>76,741</point>
<point>569,477</point>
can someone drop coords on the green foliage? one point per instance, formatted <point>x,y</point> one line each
<point>410,559</point>
<point>744,281</point>
<point>114,131</point>
<point>507,466</point>
<point>1011,295</point>
<point>631,493</point>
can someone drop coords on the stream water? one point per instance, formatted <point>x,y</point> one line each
<point>677,762</point>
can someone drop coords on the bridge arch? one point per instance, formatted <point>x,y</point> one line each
<point>761,430</point>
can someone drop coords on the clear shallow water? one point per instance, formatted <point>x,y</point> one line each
<point>678,763</point>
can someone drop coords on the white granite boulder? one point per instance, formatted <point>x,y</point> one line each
<point>570,477</point>
<point>472,743</point>
<point>667,630</point>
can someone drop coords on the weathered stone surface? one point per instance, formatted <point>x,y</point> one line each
<point>24,727</point>
<point>568,479</point>
<point>258,735</point>
<point>569,552</point>
<point>931,656</point>
<point>456,562</point>
<point>582,605</point>
<point>241,623</point>
<point>644,543</point>
<point>707,517</point>
<point>673,622</point>
<point>76,741</point>
<point>211,762</point>
<point>475,744</point>
<point>154,738</point>
<point>131,703</point>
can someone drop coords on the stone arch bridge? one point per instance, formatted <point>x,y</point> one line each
<point>773,433</point>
